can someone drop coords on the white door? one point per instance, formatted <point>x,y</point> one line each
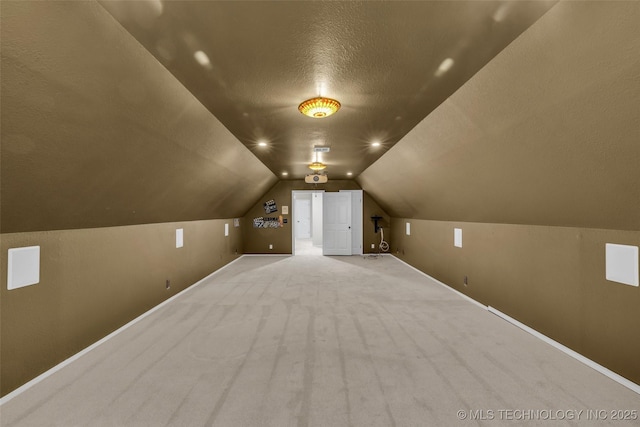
<point>303,218</point>
<point>337,224</point>
<point>356,221</point>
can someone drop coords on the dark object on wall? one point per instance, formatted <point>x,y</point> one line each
<point>270,206</point>
<point>267,222</point>
<point>375,220</point>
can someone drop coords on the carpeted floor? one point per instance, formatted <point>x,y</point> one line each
<point>321,341</point>
<point>305,247</point>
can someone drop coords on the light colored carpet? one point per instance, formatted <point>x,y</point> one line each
<point>305,247</point>
<point>321,341</point>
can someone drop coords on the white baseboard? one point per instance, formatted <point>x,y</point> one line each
<point>468,298</point>
<point>280,255</point>
<point>590,363</point>
<point>617,378</point>
<point>78,355</point>
<point>623,381</point>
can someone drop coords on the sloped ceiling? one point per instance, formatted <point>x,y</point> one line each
<point>107,119</point>
<point>547,133</point>
<point>95,132</point>
<point>381,60</point>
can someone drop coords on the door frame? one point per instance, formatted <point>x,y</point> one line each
<point>293,215</point>
<point>357,224</point>
<point>300,204</point>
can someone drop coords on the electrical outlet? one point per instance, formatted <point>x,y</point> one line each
<point>373,246</point>
<point>168,284</point>
<point>270,246</point>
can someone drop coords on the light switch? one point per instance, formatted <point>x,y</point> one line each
<point>457,237</point>
<point>226,229</point>
<point>179,237</point>
<point>23,267</point>
<point>622,264</point>
<point>408,228</point>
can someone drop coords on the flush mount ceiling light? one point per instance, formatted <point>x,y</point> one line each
<point>317,166</point>
<point>319,107</point>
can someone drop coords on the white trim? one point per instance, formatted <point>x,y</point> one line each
<point>293,215</point>
<point>468,298</point>
<point>612,375</point>
<point>374,255</point>
<point>78,355</point>
<point>287,255</point>
<point>620,379</point>
<point>359,213</point>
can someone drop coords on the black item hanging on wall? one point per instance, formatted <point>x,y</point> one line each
<point>375,220</point>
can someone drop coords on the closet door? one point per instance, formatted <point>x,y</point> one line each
<point>337,224</point>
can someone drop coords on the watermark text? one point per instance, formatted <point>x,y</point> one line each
<point>548,414</point>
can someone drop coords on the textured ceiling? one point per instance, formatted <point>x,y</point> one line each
<point>547,133</point>
<point>379,59</point>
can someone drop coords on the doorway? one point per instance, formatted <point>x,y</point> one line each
<point>307,222</point>
<point>326,223</point>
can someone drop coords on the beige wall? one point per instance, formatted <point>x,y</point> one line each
<point>536,158</point>
<point>372,208</point>
<point>97,133</point>
<point>549,278</point>
<point>92,281</point>
<point>103,151</point>
<point>257,240</point>
<point>547,133</point>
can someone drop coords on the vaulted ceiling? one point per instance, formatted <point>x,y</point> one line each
<point>135,112</point>
<point>388,63</point>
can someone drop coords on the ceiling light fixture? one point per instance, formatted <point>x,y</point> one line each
<point>262,144</point>
<point>317,166</point>
<point>375,144</point>
<point>319,107</point>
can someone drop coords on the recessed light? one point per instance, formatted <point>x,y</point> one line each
<point>202,59</point>
<point>262,144</point>
<point>349,173</point>
<point>501,12</point>
<point>285,173</point>
<point>375,144</point>
<point>444,67</point>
